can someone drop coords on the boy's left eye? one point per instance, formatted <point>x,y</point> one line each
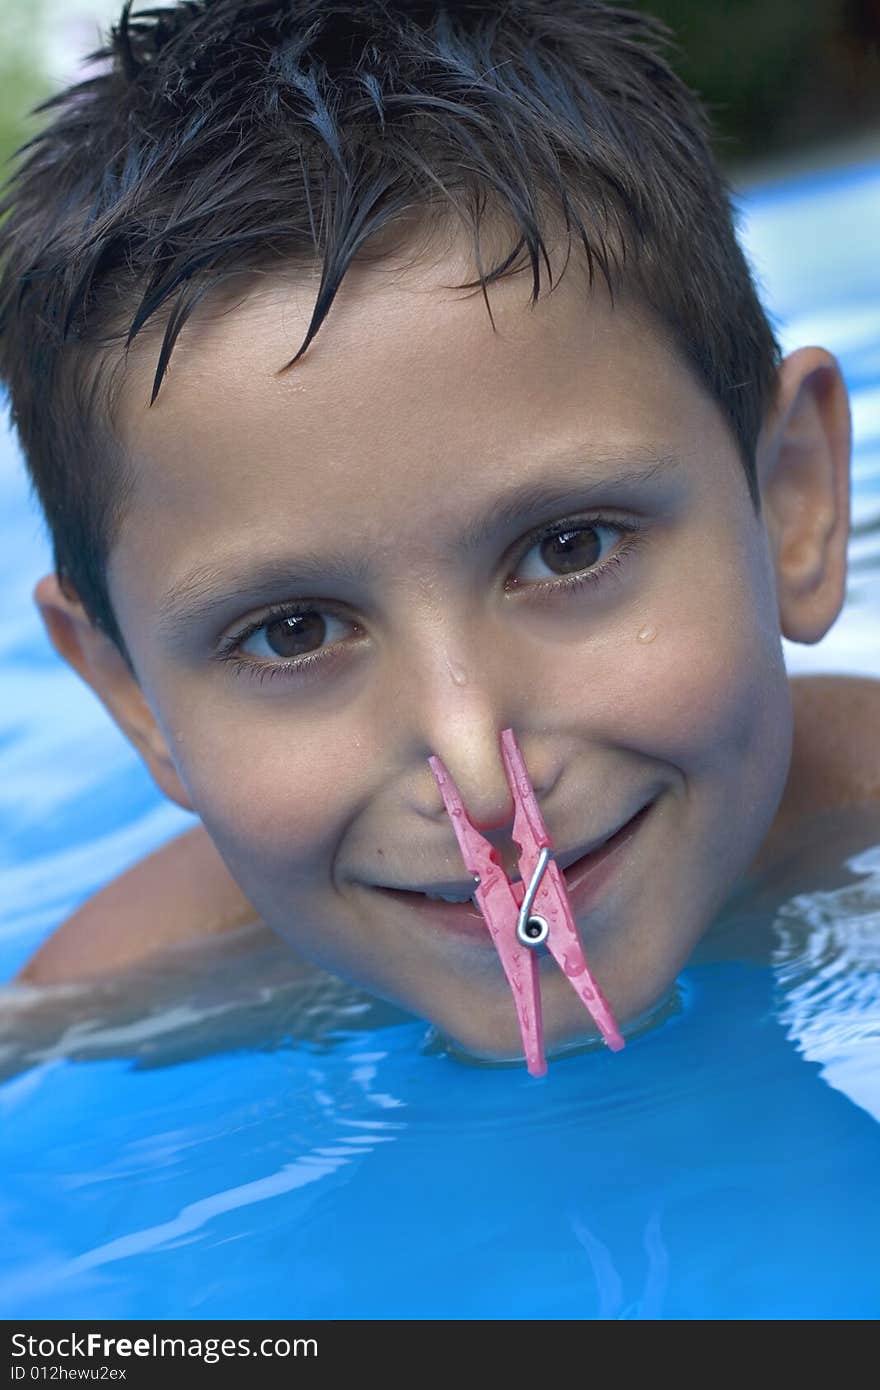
<point>569,549</point>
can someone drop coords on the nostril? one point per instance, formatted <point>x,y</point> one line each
<point>546,777</point>
<point>484,789</point>
<point>492,824</point>
<point>490,807</point>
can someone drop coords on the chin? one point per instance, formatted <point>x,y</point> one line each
<point>487,1030</point>
<point>475,1014</point>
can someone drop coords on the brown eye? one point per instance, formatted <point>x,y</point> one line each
<point>296,635</point>
<point>568,550</point>
<point>571,550</point>
<point>288,636</point>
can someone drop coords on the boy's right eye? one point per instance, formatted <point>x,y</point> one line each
<point>297,633</point>
<point>287,640</point>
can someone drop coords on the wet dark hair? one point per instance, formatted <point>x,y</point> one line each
<point>222,136</point>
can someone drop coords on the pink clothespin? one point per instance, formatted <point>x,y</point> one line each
<point>522,916</point>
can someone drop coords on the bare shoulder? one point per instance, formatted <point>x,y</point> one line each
<point>179,894</point>
<point>836,753</point>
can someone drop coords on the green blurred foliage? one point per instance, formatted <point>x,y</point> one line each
<point>778,74</point>
<point>23,81</point>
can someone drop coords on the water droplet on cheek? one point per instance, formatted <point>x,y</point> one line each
<point>458,674</point>
<point>646,633</point>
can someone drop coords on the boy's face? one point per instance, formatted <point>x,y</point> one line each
<point>405,484</point>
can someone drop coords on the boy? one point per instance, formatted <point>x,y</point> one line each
<point>293,575</point>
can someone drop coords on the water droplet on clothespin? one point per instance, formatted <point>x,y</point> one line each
<point>646,633</point>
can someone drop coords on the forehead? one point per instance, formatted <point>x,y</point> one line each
<point>406,407</point>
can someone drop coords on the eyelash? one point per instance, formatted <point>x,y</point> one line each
<point>303,667</point>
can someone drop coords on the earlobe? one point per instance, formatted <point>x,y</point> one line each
<point>97,661</point>
<point>803,466</point>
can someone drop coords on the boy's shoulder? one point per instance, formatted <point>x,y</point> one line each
<point>836,752</point>
<point>181,894</point>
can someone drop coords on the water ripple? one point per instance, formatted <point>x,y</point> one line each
<point>827,966</point>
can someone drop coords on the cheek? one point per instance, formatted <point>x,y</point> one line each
<point>713,706</point>
<point>273,797</point>
<point>694,675</point>
<point>722,697</point>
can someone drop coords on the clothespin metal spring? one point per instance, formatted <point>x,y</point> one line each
<point>531,929</point>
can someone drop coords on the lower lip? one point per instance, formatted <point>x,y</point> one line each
<point>584,879</point>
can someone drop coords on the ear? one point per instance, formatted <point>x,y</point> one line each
<point>95,658</point>
<point>803,461</point>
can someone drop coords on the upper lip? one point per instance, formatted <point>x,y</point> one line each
<point>465,888</point>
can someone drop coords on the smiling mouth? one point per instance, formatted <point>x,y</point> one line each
<point>582,880</point>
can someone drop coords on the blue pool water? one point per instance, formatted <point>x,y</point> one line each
<point>241,1143</point>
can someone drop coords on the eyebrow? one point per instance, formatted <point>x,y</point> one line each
<point>211,586</point>
<point>546,493</point>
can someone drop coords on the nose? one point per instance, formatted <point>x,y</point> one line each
<point>455,684</point>
<point>463,729</point>
<point>471,754</point>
